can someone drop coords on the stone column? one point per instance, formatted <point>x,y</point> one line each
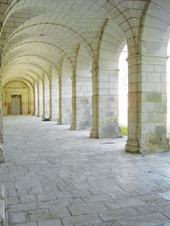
<point>1,115</point>
<point>147,108</point>
<point>43,99</point>
<point>95,103</point>
<point>81,102</point>
<point>47,96</point>
<point>50,99</point>
<point>29,100</point>
<point>74,113</point>
<point>38,101</point>
<point>66,99</point>
<point>33,109</point>
<point>55,94</point>
<point>105,104</point>
<point>40,87</point>
<point>59,121</point>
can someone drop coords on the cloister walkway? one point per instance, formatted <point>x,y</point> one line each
<point>54,176</point>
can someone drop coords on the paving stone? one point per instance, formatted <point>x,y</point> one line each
<point>46,197</point>
<point>98,184</point>
<point>15,218</point>
<point>28,198</point>
<point>39,215</point>
<point>53,203</point>
<point>165,195</point>
<point>81,220</point>
<point>22,207</point>
<point>50,223</point>
<point>118,214</point>
<point>95,198</point>
<point>113,223</point>
<point>12,200</point>
<point>87,208</point>
<point>145,220</point>
<point>58,211</point>
<point>27,224</point>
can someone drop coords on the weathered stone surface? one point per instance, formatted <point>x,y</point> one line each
<point>68,179</point>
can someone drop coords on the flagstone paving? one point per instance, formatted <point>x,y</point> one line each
<point>57,177</point>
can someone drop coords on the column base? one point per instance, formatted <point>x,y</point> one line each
<point>132,147</point>
<point>94,133</point>
<point>59,122</point>
<point>73,126</point>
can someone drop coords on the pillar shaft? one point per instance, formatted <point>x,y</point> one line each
<point>50,100</point>
<point>38,101</point>
<point>1,115</point>
<point>66,100</point>
<point>74,108</point>
<point>147,108</point>
<point>59,121</point>
<point>105,105</point>
<point>43,100</point>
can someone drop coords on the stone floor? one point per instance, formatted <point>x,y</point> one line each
<point>56,177</point>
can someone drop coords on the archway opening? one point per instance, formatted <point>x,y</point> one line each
<point>123,90</point>
<point>17,98</point>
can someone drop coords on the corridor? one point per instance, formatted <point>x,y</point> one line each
<point>57,177</point>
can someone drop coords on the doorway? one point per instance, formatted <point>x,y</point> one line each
<point>16,104</point>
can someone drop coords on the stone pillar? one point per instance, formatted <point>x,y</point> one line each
<point>40,87</point>
<point>38,101</point>
<point>1,115</point>
<point>59,121</point>
<point>66,100</point>
<point>43,99</point>
<point>74,113</point>
<point>95,103</point>
<point>55,94</point>
<point>147,108</point>
<point>50,100</point>
<point>105,105</point>
<point>33,96</point>
<point>29,101</point>
<point>47,96</point>
<point>81,102</point>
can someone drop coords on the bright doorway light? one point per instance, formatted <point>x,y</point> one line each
<point>123,88</point>
<point>168,89</point>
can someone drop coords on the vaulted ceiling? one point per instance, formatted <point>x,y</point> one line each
<point>38,34</point>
